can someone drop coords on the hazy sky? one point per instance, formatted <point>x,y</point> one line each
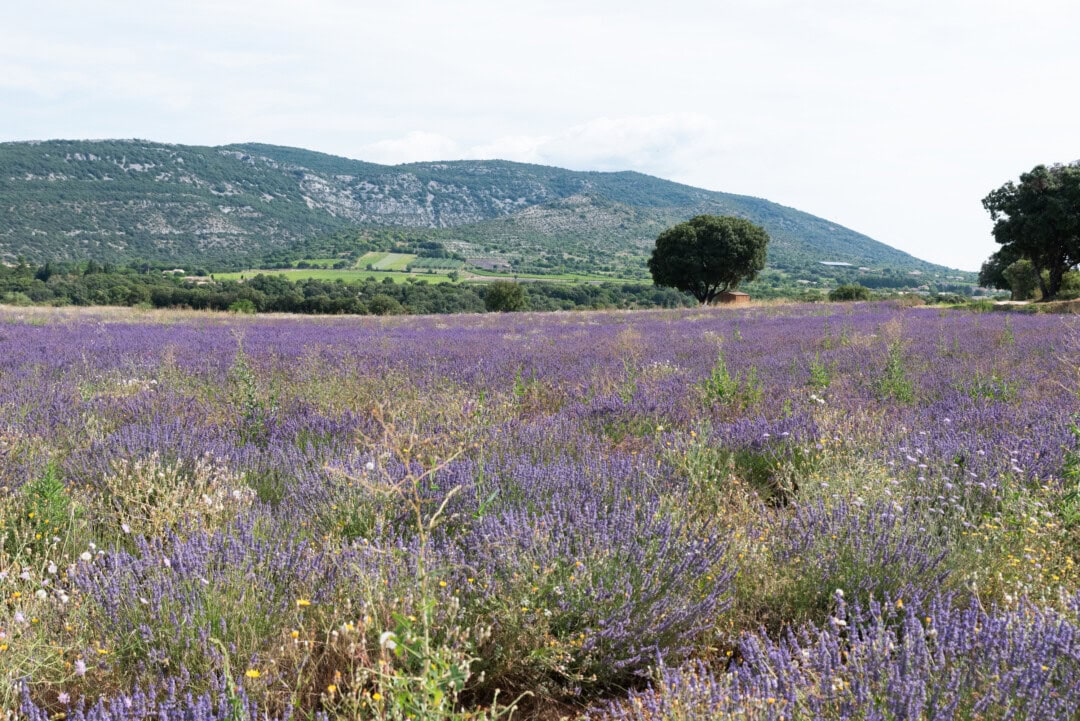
<point>894,118</point>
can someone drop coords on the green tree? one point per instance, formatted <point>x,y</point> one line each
<point>708,255</point>
<point>1039,219</point>
<point>383,304</point>
<point>503,296</point>
<point>1022,279</point>
<point>992,273</point>
<point>850,291</point>
<point>1070,286</point>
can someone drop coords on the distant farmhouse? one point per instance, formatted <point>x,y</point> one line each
<point>733,297</point>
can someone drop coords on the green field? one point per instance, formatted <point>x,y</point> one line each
<point>329,274</point>
<point>385,261</point>
<point>554,277</point>
<point>437,263</point>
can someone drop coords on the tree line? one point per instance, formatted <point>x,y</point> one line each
<point>136,284</point>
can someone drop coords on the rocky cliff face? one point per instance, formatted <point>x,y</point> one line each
<point>70,199</point>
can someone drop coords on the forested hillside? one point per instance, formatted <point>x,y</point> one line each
<point>235,206</point>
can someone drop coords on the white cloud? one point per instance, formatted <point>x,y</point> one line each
<point>522,148</point>
<point>891,118</point>
<point>415,146</point>
<point>660,144</point>
<point>670,144</point>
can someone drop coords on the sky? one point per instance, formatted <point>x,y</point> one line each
<point>891,117</point>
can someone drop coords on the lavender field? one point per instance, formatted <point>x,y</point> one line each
<point>851,511</point>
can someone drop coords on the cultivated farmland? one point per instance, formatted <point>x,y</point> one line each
<point>852,511</point>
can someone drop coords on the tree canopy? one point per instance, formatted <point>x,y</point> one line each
<point>708,255</point>
<point>992,272</point>
<point>1037,219</point>
<point>851,291</point>
<point>503,296</point>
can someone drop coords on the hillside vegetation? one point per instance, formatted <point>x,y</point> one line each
<point>239,206</point>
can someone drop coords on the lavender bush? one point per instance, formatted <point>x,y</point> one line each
<point>933,661</point>
<point>202,516</point>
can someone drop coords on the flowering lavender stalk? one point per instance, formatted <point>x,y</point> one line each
<point>876,550</point>
<point>935,661</point>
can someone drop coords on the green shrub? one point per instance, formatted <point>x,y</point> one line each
<point>382,304</point>
<point>720,477</point>
<point>894,382</point>
<point>948,299</point>
<point>504,296</point>
<point>738,391</point>
<point>1023,280</point>
<point>16,298</point>
<point>820,373</point>
<point>848,292</point>
<point>243,306</point>
<point>981,306</point>
<point>257,404</point>
<point>43,511</point>
<point>1070,475</point>
<point>1070,286</point>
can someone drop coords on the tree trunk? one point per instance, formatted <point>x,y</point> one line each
<point>1057,271</point>
<point>1042,281</point>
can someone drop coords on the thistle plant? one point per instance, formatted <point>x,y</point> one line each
<point>724,389</point>
<point>894,381</point>
<point>256,406</point>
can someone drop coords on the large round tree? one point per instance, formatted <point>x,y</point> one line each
<point>1037,219</point>
<point>708,255</point>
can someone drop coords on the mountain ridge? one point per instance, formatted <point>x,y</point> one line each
<point>230,205</point>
